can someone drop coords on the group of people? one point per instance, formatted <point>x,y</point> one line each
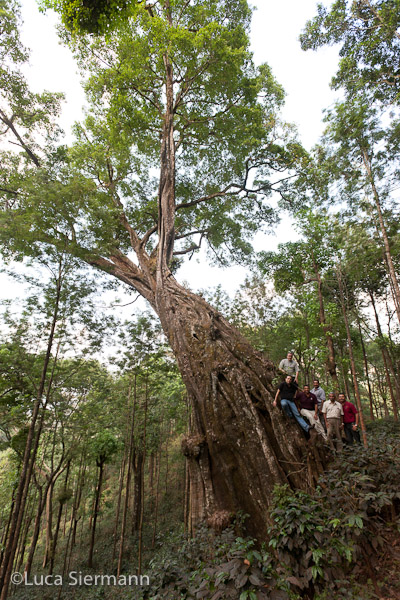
<point>313,412</point>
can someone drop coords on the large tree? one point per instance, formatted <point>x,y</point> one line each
<point>181,146</point>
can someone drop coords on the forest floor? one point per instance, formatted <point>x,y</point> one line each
<point>387,568</point>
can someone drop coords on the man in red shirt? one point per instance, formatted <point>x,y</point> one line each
<point>350,420</point>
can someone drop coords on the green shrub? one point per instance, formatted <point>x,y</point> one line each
<point>317,538</point>
<point>214,567</point>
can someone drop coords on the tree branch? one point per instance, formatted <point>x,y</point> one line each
<point>184,235</point>
<point>147,235</point>
<point>192,248</point>
<point>23,144</point>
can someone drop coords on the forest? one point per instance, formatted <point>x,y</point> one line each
<point>142,454</point>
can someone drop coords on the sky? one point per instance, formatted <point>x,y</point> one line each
<point>276,26</point>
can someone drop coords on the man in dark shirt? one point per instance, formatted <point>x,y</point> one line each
<point>309,408</point>
<point>350,420</point>
<point>288,390</point>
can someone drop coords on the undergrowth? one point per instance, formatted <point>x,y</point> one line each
<point>319,545</point>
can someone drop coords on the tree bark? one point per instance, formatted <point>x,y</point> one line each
<point>24,536</point>
<point>49,525</point>
<point>137,464</point>
<point>36,531</point>
<point>77,500</point>
<point>344,371</point>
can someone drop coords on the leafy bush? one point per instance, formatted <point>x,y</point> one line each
<point>214,567</point>
<point>317,538</point>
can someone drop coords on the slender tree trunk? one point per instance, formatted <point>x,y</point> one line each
<point>25,532</point>
<point>155,518</point>
<point>125,460</point>
<point>100,464</point>
<point>119,499</point>
<point>141,516</point>
<point>186,499</point>
<point>344,375</point>
<point>6,530</point>
<point>386,359</point>
<point>36,530</point>
<point>59,515</point>
<point>382,394</point>
<point>331,358</point>
<point>49,525</point>
<point>166,461</point>
<point>65,560</point>
<point>392,271</point>
<point>128,481</point>
<point>137,464</point>
<point>352,361</point>
<point>151,474</point>
<point>77,499</point>
<point>371,411</point>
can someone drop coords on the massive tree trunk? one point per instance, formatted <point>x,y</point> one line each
<point>241,446</point>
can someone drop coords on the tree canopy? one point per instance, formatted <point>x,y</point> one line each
<point>368,32</point>
<point>102,194</point>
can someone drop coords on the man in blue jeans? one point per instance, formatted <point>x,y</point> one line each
<point>288,390</point>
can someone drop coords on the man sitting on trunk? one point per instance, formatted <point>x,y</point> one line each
<point>309,409</point>
<point>288,390</point>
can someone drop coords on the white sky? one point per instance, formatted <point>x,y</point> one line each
<point>276,26</point>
